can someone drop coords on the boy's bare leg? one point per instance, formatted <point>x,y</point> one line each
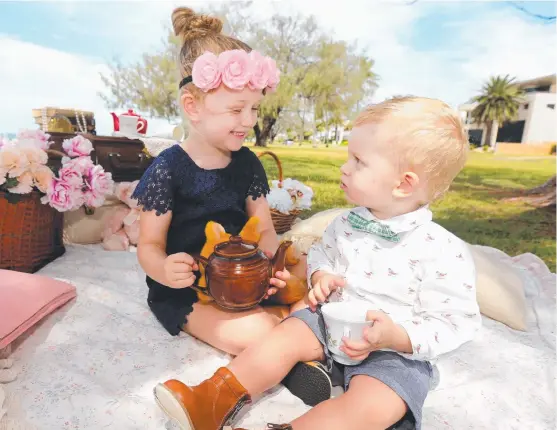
<point>263,365</point>
<point>367,405</point>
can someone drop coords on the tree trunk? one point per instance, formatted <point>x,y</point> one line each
<point>263,133</point>
<point>542,196</point>
<point>493,135</point>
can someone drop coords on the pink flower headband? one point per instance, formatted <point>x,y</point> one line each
<point>235,69</point>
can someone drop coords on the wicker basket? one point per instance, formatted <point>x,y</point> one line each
<point>30,233</point>
<point>282,222</point>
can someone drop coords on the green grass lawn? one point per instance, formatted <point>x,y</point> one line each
<point>473,209</point>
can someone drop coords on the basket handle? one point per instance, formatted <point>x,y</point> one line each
<point>55,152</point>
<point>279,165</point>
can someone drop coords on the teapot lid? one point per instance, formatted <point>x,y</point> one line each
<point>236,247</point>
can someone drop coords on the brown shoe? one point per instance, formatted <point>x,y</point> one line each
<point>269,427</point>
<point>207,406</point>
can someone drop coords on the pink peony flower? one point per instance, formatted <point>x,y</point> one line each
<point>205,72</point>
<point>97,184</point>
<point>260,71</point>
<point>61,196</point>
<point>79,164</point>
<point>77,146</point>
<point>42,176</point>
<point>4,141</point>
<point>235,67</point>
<point>25,184</point>
<point>71,174</point>
<point>13,160</point>
<point>35,155</point>
<point>274,74</point>
<point>36,138</point>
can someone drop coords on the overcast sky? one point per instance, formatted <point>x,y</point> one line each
<point>51,53</point>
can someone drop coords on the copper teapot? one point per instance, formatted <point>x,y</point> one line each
<point>238,273</point>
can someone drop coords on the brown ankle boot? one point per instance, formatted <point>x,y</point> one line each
<point>207,406</point>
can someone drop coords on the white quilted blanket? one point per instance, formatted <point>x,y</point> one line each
<point>93,364</point>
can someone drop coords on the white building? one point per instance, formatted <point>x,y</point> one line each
<point>537,118</point>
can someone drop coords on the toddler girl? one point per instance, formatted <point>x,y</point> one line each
<point>208,177</point>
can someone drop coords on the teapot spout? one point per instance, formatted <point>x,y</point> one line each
<point>279,260</point>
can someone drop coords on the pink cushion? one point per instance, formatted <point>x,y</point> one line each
<point>25,299</point>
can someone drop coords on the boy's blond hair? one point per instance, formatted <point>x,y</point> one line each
<point>426,135</point>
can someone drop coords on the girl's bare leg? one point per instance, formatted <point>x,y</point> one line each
<point>367,405</point>
<point>264,364</point>
<point>232,332</point>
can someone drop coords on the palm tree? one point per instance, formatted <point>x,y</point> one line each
<point>498,103</point>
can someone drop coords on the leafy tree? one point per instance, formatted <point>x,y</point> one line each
<point>329,76</point>
<point>498,103</point>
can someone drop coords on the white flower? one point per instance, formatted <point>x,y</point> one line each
<point>280,200</point>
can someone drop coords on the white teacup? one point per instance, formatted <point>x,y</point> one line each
<point>344,319</point>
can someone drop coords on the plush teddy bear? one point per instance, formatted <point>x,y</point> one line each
<point>295,288</point>
<point>122,228</point>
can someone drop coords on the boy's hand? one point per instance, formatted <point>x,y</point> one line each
<point>382,335</point>
<point>323,285</point>
<point>178,270</point>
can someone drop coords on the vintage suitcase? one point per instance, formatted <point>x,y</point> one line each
<point>125,158</point>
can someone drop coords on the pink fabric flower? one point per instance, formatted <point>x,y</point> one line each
<point>235,67</point>
<point>80,164</point>
<point>4,141</point>
<point>42,176</point>
<point>61,196</point>
<point>37,138</point>
<point>24,185</point>
<point>274,74</point>
<point>71,174</point>
<point>35,155</point>
<point>205,73</point>
<point>260,71</point>
<point>13,160</point>
<point>97,184</point>
<point>77,146</point>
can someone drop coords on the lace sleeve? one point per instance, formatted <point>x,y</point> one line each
<point>154,190</point>
<point>259,184</point>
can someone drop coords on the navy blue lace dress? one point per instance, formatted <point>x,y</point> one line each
<point>195,196</point>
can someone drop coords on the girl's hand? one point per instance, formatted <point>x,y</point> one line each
<point>280,279</point>
<point>178,270</point>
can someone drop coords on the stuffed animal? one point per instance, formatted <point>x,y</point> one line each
<point>295,288</point>
<point>122,228</point>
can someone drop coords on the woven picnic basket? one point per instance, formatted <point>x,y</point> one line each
<point>282,222</point>
<point>30,231</point>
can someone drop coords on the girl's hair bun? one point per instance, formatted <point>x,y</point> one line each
<point>189,25</point>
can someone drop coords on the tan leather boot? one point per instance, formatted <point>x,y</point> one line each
<point>208,406</point>
<point>269,427</point>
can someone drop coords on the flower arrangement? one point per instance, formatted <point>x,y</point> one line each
<point>235,69</point>
<point>78,182</point>
<point>291,195</point>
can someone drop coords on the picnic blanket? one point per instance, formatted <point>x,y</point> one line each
<point>93,363</point>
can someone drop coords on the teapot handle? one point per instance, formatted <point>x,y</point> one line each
<point>202,261</point>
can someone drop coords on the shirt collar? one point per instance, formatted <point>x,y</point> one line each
<point>401,223</point>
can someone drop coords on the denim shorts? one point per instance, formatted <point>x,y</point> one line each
<point>410,379</point>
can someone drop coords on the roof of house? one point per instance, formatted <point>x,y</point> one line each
<point>542,80</point>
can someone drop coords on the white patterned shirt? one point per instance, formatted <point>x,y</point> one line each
<point>425,281</point>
